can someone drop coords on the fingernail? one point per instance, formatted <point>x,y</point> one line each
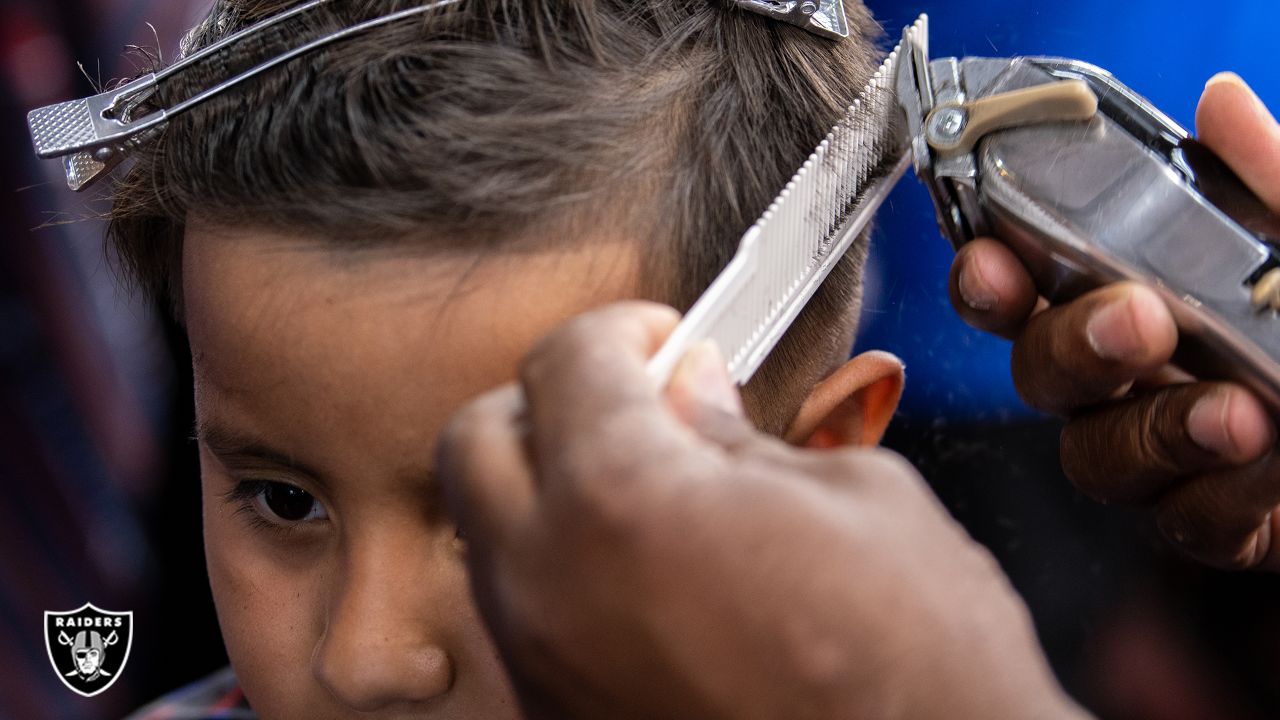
<point>974,289</point>
<point>1207,425</point>
<point>1113,334</point>
<point>704,376</point>
<point>1228,78</point>
<point>1233,80</point>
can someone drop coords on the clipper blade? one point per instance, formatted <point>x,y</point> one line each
<point>785,256</point>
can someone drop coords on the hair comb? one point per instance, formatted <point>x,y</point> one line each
<point>784,258</point>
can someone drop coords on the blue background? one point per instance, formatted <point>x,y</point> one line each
<point>1163,50</point>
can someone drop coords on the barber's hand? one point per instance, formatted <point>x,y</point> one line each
<point>640,554</point>
<point>1200,453</point>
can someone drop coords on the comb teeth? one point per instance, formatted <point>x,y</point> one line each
<point>917,34</point>
<point>785,256</point>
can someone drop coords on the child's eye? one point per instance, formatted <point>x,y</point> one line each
<point>278,503</point>
<point>289,503</point>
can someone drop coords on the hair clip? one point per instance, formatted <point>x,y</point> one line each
<point>820,17</point>
<point>95,134</point>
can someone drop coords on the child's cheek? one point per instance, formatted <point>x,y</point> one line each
<point>264,609</point>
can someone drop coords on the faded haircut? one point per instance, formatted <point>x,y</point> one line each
<point>489,121</point>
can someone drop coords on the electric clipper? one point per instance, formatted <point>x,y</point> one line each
<point>1089,183</point>
<point>1084,179</point>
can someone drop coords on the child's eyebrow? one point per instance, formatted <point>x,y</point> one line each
<point>230,446</point>
<point>241,451</point>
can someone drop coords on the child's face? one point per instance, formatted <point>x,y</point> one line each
<point>322,377</point>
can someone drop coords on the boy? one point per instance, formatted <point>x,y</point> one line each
<point>372,234</point>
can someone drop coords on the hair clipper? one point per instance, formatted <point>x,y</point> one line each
<point>1088,183</point>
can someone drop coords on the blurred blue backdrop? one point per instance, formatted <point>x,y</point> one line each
<point>1164,50</point>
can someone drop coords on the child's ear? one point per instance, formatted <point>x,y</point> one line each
<point>852,406</point>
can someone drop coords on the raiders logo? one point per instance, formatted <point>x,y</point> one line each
<point>88,647</point>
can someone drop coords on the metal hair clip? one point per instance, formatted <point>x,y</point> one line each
<point>95,134</point>
<point>820,17</point>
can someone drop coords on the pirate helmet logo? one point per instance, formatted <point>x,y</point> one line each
<point>88,647</point>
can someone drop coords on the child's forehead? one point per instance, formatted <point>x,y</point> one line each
<point>224,261</point>
<point>275,316</point>
<point>354,367</point>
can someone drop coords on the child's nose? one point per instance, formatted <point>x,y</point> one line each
<point>383,644</point>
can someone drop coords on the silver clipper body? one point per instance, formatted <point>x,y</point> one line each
<point>1091,192</point>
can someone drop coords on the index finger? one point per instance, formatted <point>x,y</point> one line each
<point>482,466</point>
<point>991,289</point>
<point>593,411</point>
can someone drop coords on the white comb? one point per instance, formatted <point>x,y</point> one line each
<point>783,259</point>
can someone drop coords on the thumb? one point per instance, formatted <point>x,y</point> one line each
<point>1236,125</point>
<point>704,397</point>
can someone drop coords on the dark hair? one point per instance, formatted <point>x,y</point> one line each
<point>681,119</point>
